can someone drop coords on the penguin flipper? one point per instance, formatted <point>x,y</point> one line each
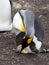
<point>39,31</point>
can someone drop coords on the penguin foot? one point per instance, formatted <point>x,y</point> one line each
<point>43,49</point>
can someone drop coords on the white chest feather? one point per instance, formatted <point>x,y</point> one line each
<point>5,14</point>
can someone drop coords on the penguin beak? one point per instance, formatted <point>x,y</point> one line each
<point>19,48</point>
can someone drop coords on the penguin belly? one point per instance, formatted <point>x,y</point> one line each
<point>5,15</point>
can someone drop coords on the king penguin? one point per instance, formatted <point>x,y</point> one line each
<point>30,31</point>
<point>5,15</point>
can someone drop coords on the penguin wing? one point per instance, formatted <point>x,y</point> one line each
<point>18,23</point>
<point>39,31</point>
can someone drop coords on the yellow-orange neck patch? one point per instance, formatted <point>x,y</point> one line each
<point>23,28</point>
<point>29,40</point>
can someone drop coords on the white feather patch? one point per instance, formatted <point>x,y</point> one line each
<point>26,50</point>
<point>37,43</point>
<point>17,21</point>
<point>5,15</point>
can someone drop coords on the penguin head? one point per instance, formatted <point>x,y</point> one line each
<point>25,45</point>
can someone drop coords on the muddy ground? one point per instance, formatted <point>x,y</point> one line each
<point>7,39</point>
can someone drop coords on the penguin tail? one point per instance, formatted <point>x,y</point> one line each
<point>45,50</point>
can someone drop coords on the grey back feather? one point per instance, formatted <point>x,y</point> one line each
<point>32,24</point>
<point>28,20</point>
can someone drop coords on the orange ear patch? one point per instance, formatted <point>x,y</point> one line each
<point>29,40</point>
